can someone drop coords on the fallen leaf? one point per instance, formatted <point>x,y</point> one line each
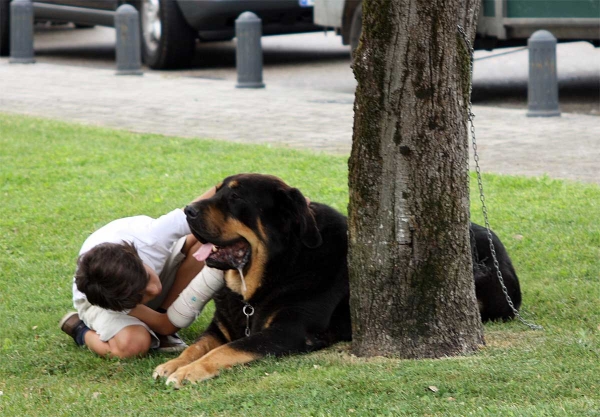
<point>433,388</point>
<point>34,327</point>
<point>518,237</point>
<point>95,395</point>
<point>451,399</point>
<point>316,366</point>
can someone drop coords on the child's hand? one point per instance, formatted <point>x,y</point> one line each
<point>158,322</point>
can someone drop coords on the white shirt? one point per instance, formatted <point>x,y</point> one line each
<point>153,238</point>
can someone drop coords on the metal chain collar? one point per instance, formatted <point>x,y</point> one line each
<point>470,117</point>
<point>248,311</point>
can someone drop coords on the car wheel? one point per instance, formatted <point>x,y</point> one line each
<point>4,27</point>
<point>355,28</point>
<point>167,40</point>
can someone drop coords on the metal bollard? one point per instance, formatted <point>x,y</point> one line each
<point>542,87</point>
<point>21,32</point>
<point>129,53</point>
<point>249,59</point>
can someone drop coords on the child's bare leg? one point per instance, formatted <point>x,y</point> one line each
<point>129,342</point>
<point>188,269</point>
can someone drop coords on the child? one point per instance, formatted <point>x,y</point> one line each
<point>128,273</point>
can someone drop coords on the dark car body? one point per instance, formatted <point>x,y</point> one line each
<point>181,21</point>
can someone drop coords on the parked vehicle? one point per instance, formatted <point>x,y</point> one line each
<point>500,23</point>
<point>170,28</point>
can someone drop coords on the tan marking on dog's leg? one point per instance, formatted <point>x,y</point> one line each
<point>210,365</point>
<point>269,320</point>
<point>191,354</point>
<point>224,331</point>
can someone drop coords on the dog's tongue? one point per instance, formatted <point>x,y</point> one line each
<point>202,253</point>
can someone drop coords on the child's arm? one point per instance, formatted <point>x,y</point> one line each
<point>186,307</point>
<point>158,322</point>
<point>192,300</point>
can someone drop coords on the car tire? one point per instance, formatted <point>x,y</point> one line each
<point>4,27</point>
<point>168,42</point>
<point>355,28</point>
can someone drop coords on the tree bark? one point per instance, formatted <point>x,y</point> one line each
<point>411,279</point>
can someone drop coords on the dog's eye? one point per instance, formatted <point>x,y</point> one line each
<point>234,197</point>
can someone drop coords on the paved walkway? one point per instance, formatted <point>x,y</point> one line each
<point>509,142</point>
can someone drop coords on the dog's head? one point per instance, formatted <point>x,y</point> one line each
<point>251,218</point>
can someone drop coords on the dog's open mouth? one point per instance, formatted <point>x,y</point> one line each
<point>233,256</point>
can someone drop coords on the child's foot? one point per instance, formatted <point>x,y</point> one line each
<point>72,325</point>
<point>170,344</point>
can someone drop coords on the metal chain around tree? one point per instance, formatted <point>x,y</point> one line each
<point>470,117</point>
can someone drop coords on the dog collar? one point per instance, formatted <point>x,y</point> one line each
<point>248,311</point>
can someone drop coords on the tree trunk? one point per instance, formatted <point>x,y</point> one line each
<point>411,279</point>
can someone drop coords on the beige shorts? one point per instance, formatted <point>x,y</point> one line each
<point>108,323</point>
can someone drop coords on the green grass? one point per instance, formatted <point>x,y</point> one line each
<point>59,182</point>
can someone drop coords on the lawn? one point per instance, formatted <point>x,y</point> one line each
<point>59,182</point>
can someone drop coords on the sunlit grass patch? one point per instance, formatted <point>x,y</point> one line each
<point>59,182</point>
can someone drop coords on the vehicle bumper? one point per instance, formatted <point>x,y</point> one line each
<point>278,16</point>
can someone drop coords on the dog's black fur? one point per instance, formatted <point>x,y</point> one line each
<point>490,297</point>
<point>293,258</point>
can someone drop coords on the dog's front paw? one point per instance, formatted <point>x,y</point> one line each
<point>167,368</point>
<point>190,374</point>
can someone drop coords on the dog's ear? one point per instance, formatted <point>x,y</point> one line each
<point>303,218</point>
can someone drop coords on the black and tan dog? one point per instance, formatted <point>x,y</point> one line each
<point>287,279</point>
